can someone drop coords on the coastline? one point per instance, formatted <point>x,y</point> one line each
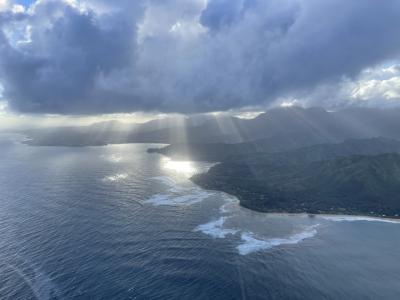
<point>346,213</point>
<point>342,212</point>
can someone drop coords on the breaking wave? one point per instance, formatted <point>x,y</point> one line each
<point>215,228</point>
<point>176,194</point>
<point>168,199</point>
<point>252,244</point>
<point>358,219</point>
<point>232,222</point>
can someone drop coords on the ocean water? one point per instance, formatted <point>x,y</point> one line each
<point>115,222</point>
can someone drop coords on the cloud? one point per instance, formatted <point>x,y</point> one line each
<point>374,87</point>
<point>378,84</point>
<point>97,56</point>
<point>7,5</point>
<point>223,13</point>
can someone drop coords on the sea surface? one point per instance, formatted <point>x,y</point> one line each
<point>114,222</point>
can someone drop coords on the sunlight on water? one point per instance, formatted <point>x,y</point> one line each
<point>181,167</point>
<point>116,177</point>
<point>114,158</point>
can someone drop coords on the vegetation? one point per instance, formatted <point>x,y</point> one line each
<point>358,184</point>
<point>275,150</point>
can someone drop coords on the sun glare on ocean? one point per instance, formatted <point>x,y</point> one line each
<point>181,167</point>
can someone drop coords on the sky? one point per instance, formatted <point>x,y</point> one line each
<point>78,59</point>
<point>24,2</point>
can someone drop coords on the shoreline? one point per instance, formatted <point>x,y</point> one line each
<point>344,214</point>
<point>322,213</point>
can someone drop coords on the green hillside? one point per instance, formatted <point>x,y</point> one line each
<point>355,185</point>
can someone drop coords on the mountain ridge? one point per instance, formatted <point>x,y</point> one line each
<point>315,125</point>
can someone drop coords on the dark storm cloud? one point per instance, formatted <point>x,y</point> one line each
<point>95,56</point>
<point>221,13</point>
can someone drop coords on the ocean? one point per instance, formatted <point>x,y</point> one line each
<point>115,222</point>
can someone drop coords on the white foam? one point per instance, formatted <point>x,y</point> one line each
<point>195,197</point>
<point>178,200</point>
<point>116,177</point>
<point>230,205</point>
<point>215,229</point>
<point>168,181</point>
<point>178,190</point>
<point>180,195</point>
<point>177,195</point>
<point>358,219</point>
<point>225,209</point>
<point>252,244</point>
<point>159,199</point>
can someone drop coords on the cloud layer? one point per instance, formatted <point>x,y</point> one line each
<point>98,56</point>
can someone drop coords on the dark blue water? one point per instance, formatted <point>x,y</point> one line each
<point>117,223</point>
